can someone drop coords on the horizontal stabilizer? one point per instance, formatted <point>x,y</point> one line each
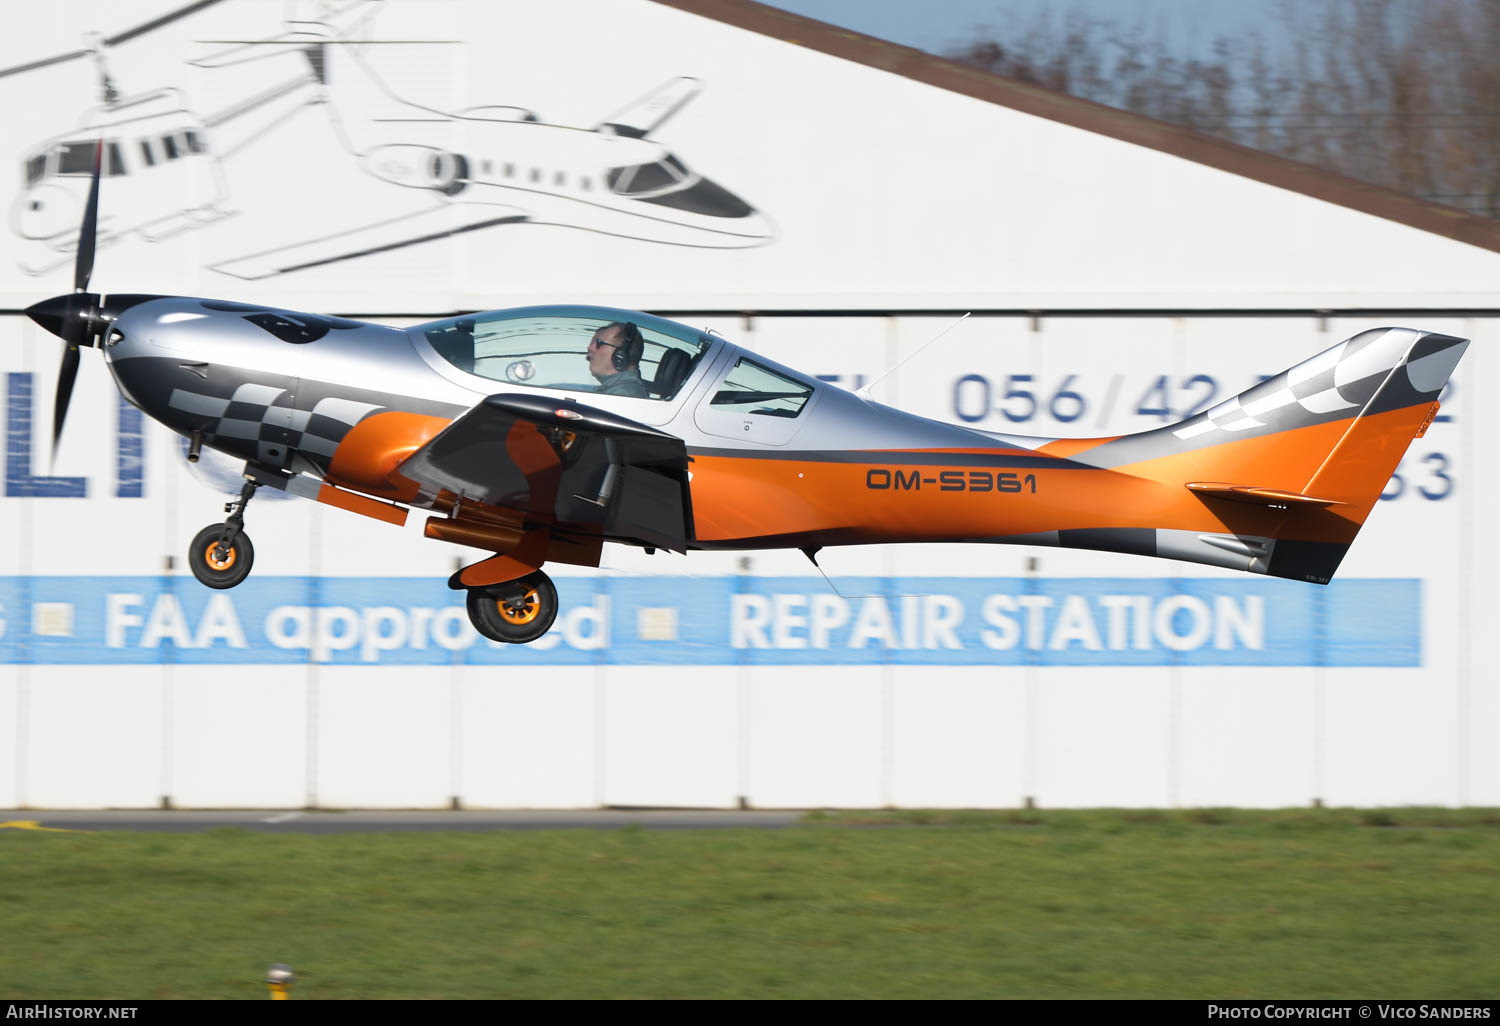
<point>1274,497</point>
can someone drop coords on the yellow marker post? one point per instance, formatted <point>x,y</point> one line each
<point>279,978</point>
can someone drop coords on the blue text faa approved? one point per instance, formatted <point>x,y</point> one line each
<point>646,620</point>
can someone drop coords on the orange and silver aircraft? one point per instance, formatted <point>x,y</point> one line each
<point>540,433</point>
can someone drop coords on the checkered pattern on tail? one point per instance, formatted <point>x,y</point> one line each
<point>1375,371</point>
<point>1338,382</point>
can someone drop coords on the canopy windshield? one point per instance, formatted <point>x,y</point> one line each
<point>555,349</point>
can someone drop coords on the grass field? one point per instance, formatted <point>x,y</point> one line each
<point>1316,903</point>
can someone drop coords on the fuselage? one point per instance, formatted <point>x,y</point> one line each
<point>346,401</point>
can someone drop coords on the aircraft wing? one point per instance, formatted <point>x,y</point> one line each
<point>576,468</point>
<point>647,114</point>
<point>425,225</point>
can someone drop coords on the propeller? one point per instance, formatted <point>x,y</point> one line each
<point>75,318</point>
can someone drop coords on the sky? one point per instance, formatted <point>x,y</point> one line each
<point>1188,27</point>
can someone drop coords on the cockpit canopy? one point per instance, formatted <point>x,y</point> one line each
<point>75,158</point>
<point>666,173</point>
<point>72,159</point>
<point>547,347</point>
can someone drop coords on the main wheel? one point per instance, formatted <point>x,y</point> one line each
<point>215,570</point>
<point>515,613</point>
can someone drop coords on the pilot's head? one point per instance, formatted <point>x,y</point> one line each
<point>614,348</point>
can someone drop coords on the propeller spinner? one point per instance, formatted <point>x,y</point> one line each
<point>75,318</point>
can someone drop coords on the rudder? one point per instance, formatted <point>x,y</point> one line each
<point>1290,468</point>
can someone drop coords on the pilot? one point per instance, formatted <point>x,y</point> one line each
<point>614,356</point>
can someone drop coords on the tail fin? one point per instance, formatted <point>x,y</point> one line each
<point>1284,474</point>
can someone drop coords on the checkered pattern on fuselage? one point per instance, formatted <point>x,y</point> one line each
<point>263,415</point>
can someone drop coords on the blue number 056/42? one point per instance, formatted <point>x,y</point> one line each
<point>1020,398</point>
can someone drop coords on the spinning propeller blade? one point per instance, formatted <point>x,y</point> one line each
<point>74,318</point>
<point>83,266</point>
<point>65,375</point>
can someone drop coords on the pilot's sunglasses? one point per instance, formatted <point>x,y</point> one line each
<point>600,342</point>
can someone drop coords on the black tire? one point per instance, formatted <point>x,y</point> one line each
<point>515,613</point>
<point>216,573</point>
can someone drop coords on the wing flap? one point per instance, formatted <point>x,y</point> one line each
<point>575,468</point>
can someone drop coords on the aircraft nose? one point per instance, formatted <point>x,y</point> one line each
<point>758,226</point>
<point>713,199</point>
<point>708,198</point>
<point>705,197</point>
<point>50,313</point>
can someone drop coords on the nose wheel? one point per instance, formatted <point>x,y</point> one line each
<point>221,554</point>
<point>516,612</point>
<point>216,564</point>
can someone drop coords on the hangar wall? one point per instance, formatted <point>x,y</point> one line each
<point>342,673</point>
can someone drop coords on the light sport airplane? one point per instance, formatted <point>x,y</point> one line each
<point>510,428</point>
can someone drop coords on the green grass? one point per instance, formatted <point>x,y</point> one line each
<point>1204,903</point>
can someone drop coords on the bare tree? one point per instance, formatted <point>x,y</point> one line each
<point>1400,93</point>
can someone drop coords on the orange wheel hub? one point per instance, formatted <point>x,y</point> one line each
<point>214,562</point>
<point>522,612</point>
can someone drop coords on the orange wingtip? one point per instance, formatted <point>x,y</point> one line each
<point>1257,496</point>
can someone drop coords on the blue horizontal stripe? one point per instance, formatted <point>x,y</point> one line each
<point>718,621</point>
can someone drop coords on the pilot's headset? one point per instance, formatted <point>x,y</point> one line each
<point>631,348</point>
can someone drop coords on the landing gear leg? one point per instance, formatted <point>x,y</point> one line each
<point>516,612</point>
<point>221,554</point>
